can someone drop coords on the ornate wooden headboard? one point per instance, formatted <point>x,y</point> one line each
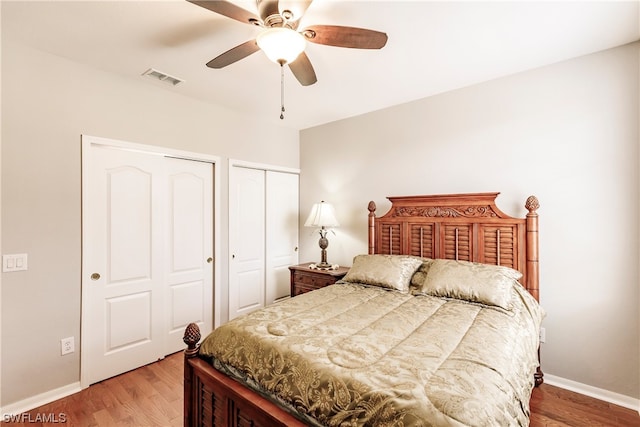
<point>465,227</point>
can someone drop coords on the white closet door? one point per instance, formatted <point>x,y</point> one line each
<point>122,280</point>
<point>282,209</point>
<point>147,236</point>
<point>188,262</point>
<point>246,240</point>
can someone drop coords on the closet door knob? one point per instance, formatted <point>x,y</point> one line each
<point>95,276</point>
<point>209,260</point>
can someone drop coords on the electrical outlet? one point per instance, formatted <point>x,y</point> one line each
<point>67,346</point>
<point>543,335</point>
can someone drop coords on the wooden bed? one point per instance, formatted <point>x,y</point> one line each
<point>467,227</point>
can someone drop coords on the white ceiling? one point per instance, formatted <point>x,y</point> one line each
<point>433,47</point>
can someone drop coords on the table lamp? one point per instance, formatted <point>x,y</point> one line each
<point>322,216</point>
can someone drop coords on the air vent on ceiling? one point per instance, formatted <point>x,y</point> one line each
<point>164,77</point>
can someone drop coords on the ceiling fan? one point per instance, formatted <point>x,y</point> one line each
<point>280,38</point>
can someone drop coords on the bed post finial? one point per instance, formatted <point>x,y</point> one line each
<point>191,338</point>
<point>372,227</point>
<point>532,204</point>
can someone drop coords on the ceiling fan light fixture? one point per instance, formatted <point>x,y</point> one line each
<point>281,45</point>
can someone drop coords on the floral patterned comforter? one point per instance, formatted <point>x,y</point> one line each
<point>352,355</point>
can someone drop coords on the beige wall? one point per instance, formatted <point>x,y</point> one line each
<point>567,133</point>
<point>47,103</point>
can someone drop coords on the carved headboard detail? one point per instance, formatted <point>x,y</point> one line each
<point>467,227</point>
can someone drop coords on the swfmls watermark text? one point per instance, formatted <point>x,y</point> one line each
<point>38,417</point>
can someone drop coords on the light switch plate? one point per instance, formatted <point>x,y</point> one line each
<point>14,262</point>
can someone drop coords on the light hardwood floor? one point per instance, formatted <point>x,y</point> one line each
<point>152,396</point>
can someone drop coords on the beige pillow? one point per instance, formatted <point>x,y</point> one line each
<point>470,281</point>
<point>386,271</point>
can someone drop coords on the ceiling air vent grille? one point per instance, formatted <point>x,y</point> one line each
<point>163,77</point>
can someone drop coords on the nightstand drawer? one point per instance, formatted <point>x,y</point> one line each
<point>299,288</point>
<point>305,279</point>
<point>313,279</point>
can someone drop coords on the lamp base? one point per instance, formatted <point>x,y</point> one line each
<point>324,266</point>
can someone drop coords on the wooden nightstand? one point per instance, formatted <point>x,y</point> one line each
<point>304,279</point>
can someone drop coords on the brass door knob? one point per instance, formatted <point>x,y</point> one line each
<point>95,276</point>
<point>209,260</point>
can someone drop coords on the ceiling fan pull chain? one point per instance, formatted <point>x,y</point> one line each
<point>281,91</point>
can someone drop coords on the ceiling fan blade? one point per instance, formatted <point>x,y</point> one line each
<point>228,9</point>
<point>335,35</point>
<point>303,70</point>
<point>235,54</point>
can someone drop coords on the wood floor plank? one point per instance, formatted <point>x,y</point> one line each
<point>554,406</point>
<point>103,418</point>
<point>152,396</point>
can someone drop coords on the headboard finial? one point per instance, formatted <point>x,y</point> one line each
<point>532,204</point>
<point>372,206</point>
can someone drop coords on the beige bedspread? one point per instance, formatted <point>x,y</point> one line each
<point>352,355</point>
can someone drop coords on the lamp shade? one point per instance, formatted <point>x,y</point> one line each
<point>281,44</point>
<point>322,215</point>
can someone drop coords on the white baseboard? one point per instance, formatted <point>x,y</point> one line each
<point>595,392</point>
<point>39,400</point>
<point>598,393</point>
